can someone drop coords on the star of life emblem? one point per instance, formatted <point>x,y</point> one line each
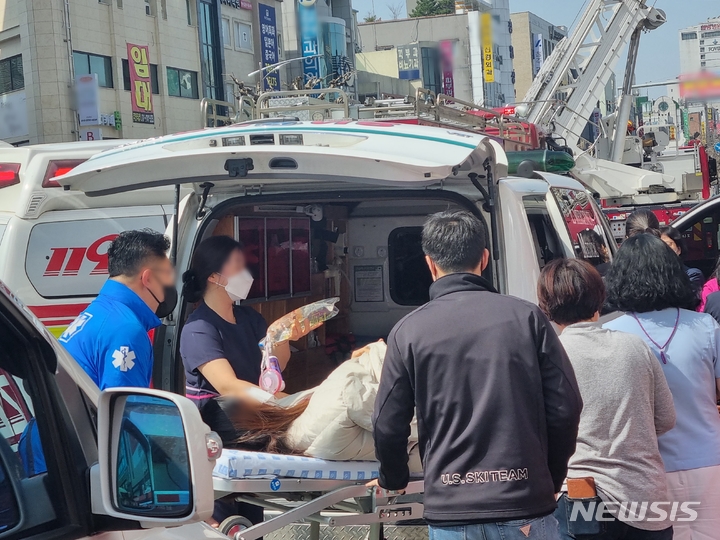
<point>123,359</point>
<point>75,328</point>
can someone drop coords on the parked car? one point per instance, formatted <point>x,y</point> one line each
<point>117,461</point>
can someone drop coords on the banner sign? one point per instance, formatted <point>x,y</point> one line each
<point>140,84</point>
<point>87,92</point>
<point>269,46</point>
<point>538,53</point>
<point>447,53</point>
<point>13,115</point>
<point>487,45</point>
<point>711,26</point>
<point>700,87</point>
<point>408,58</point>
<point>308,21</point>
<point>237,4</point>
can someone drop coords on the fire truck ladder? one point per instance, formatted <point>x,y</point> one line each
<point>573,78</point>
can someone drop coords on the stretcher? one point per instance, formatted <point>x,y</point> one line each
<point>309,490</point>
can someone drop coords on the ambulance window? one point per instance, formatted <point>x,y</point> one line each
<point>545,238</point>
<point>701,240</point>
<point>410,277</point>
<point>584,225</point>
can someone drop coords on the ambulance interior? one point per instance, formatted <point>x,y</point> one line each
<point>366,252</point>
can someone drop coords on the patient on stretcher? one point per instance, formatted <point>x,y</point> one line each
<point>332,421</point>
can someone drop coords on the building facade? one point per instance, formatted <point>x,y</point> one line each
<point>446,53</point>
<point>87,69</point>
<point>533,40</point>
<point>324,34</point>
<point>700,47</point>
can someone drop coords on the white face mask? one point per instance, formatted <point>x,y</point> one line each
<point>238,286</point>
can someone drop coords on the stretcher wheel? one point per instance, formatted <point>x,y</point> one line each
<point>233,525</point>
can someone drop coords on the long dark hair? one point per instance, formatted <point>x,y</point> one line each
<point>258,427</point>
<point>208,259</point>
<point>646,275</point>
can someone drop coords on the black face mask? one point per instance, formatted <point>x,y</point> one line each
<point>170,298</point>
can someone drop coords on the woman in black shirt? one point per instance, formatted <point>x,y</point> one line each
<point>219,342</point>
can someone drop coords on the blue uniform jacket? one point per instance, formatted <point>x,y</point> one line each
<point>110,338</point>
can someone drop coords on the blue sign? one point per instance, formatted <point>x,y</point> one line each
<point>308,21</point>
<point>269,46</point>
<point>408,57</point>
<point>275,484</point>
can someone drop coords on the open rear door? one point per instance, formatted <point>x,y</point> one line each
<point>273,152</point>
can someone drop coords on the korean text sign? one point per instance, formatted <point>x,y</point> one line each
<point>447,61</point>
<point>140,84</point>
<point>269,46</point>
<point>309,25</point>
<point>486,35</point>
<point>408,58</point>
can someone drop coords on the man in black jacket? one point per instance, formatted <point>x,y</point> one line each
<point>497,402</point>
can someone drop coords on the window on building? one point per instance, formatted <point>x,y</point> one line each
<point>226,34</point>
<point>243,36</point>
<point>703,64</point>
<point>702,49</point>
<point>87,63</point>
<point>154,81</point>
<point>431,76</point>
<point>689,35</point>
<point>182,83</point>
<point>11,74</point>
<point>190,9</point>
<point>711,34</point>
<point>702,42</point>
<point>702,57</point>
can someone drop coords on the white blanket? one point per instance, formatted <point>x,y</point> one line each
<point>242,464</point>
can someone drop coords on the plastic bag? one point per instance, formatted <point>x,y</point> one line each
<point>305,318</point>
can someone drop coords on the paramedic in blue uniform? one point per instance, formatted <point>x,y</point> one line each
<point>219,341</point>
<point>110,338</point>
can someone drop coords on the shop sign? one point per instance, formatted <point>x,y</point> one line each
<point>268,46</point>
<point>140,84</point>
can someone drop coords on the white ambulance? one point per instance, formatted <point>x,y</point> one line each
<point>336,209</point>
<point>53,243</point>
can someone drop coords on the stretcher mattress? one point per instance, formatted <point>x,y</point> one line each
<point>234,464</point>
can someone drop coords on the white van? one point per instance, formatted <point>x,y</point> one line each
<point>336,208</point>
<point>53,243</point>
<point>116,462</point>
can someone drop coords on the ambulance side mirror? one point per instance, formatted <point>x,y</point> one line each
<point>156,458</point>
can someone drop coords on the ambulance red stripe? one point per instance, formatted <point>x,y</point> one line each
<point>57,311</point>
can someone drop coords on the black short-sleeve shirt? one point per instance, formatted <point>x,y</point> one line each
<point>206,336</point>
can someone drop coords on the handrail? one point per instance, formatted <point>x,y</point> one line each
<point>324,106</point>
<point>209,115</point>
